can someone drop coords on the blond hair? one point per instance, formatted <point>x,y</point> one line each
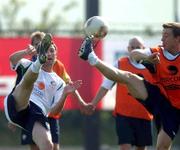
<point>37,35</point>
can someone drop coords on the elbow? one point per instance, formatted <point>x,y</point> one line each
<point>12,60</point>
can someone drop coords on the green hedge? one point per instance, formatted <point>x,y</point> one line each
<point>72,130</point>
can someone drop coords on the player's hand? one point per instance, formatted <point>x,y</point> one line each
<point>72,87</point>
<point>154,58</point>
<point>88,109</point>
<point>31,50</point>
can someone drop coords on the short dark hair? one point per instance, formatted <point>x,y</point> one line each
<point>175,26</point>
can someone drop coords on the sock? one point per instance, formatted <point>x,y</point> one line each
<point>35,67</point>
<point>93,59</point>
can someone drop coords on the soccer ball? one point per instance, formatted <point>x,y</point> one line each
<point>96,27</point>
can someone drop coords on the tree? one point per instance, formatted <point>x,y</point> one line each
<point>47,22</point>
<point>9,13</point>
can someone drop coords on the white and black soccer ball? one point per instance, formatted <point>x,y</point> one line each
<point>96,27</point>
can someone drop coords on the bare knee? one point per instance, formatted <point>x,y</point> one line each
<point>42,137</point>
<point>132,78</point>
<point>56,147</point>
<point>47,145</point>
<point>136,86</point>
<point>34,147</point>
<point>164,142</point>
<point>163,147</point>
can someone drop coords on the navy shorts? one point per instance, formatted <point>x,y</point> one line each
<point>55,129</point>
<point>166,116</point>
<point>26,118</point>
<point>26,138</point>
<point>133,131</point>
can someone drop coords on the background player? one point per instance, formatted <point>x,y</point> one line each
<point>133,121</point>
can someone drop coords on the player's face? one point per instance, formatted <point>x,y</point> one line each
<point>169,42</point>
<point>36,42</point>
<point>51,54</point>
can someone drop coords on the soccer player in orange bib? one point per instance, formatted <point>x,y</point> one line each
<point>162,98</point>
<point>129,114</point>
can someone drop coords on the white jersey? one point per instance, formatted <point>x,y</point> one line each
<point>47,90</point>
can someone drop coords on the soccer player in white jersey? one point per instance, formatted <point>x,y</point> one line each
<point>40,91</point>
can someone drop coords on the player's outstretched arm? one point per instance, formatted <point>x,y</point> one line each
<point>15,57</point>
<point>68,89</point>
<point>140,56</point>
<point>90,108</point>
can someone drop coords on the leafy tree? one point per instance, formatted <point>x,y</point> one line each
<point>47,22</point>
<point>10,11</point>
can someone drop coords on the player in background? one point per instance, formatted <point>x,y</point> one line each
<point>133,121</point>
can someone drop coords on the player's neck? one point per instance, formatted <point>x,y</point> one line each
<point>47,68</point>
<point>174,52</point>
